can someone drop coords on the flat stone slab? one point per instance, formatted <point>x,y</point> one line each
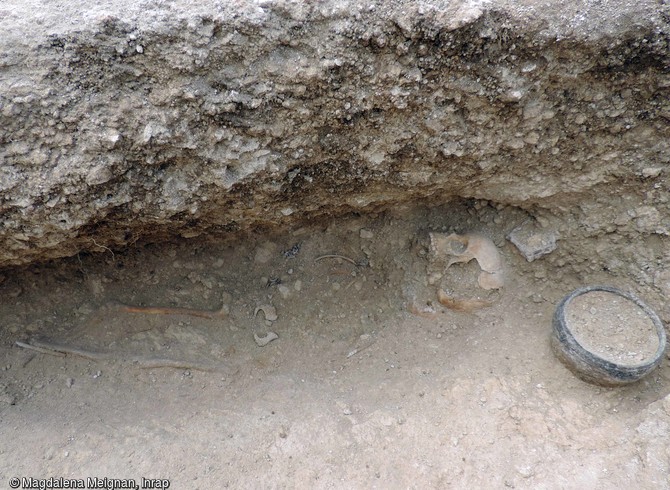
<point>532,241</point>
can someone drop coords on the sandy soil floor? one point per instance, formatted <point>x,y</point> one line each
<point>356,392</point>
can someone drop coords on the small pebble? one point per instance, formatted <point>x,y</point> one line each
<point>651,171</point>
<point>97,374</point>
<point>69,382</point>
<point>284,291</point>
<point>366,234</point>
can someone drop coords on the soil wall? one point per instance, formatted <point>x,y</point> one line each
<point>146,120</point>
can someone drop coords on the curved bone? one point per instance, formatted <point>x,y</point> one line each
<point>269,311</point>
<point>464,305</point>
<point>464,248</point>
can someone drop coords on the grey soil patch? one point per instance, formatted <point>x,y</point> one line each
<point>612,327</point>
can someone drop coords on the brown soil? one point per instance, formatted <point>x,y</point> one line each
<point>357,392</point>
<point>612,327</point>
